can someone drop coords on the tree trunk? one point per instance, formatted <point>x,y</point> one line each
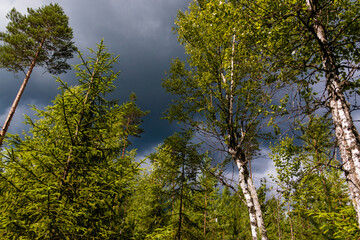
<point>181,203</point>
<point>20,92</point>
<point>248,199</point>
<point>245,180</point>
<point>346,134</point>
<point>258,211</point>
<point>252,201</point>
<point>205,213</point>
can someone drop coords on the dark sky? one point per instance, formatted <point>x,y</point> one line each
<point>140,31</point>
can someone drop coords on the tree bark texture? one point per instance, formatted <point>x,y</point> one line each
<point>346,134</point>
<point>252,201</point>
<point>245,179</point>
<point>20,92</point>
<point>243,182</point>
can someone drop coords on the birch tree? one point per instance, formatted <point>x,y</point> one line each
<point>40,38</point>
<point>222,91</point>
<point>317,41</point>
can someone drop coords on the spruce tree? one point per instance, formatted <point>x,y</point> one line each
<point>67,178</point>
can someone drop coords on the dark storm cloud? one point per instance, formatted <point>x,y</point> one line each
<point>141,32</point>
<point>138,30</point>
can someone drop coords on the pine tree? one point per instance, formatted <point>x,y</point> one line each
<point>174,205</point>
<point>41,38</point>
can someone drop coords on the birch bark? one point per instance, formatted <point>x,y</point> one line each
<point>258,211</point>
<point>346,134</point>
<point>243,182</point>
<point>245,179</point>
<point>252,201</point>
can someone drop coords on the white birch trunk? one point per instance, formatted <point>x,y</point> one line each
<point>258,211</point>
<point>346,133</point>
<point>252,201</point>
<point>245,180</point>
<point>348,144</point>
<point>248,199</point>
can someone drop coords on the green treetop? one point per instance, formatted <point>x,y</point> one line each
<point>43,35</point>
<point>223,91</point>
<point>68,178</point>
<point>43,38</point>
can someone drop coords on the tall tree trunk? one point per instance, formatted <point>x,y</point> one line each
<point>181,202</point>
<point>20,92</point>
<point>346,134</point>
<point>248,199</point>
<point>258,211</point>
<point>205,212</point>
<point>245,179</point>
<point>252,201</point>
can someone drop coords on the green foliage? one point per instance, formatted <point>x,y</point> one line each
<point>232,221</point>
<point>222,89</point>
<point>70,176</point>
<point>292,42</point>
<point>286,37</point>
<point>67,178</point>
<point>176,197</point>
<point>177,162</point>
<point>312,184</point>
<point>207,197</point>
<point>45,29</point>
<point>160,233</point>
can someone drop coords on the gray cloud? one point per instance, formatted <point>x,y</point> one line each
<point>138,30</point>
<point>141,32</point>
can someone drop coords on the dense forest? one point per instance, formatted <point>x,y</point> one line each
<point>263,74</point>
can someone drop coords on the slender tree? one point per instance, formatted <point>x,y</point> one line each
<point>178,163</point>
<point>317,41</point>
<point>40,38</point>
<point>222,92</point>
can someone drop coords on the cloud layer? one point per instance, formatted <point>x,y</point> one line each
<point>139,30</point>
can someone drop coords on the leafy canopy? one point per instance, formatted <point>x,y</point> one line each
<point>45,29</point>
